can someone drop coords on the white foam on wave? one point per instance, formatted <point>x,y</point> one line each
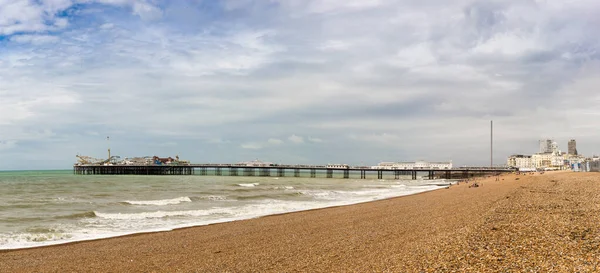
<point>284,188</point>
<point>248,185</point>
<point>106,224</point>
<point>20,240</point>
<point>320,194</point>
<point>162,202</point>
<point>162,214</point>
<point>214,197</point>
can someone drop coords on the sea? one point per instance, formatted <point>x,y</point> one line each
<point>40,208</point>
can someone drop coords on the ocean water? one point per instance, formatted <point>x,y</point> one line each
<point>52,207</point>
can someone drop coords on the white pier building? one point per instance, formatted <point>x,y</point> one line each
<point>413,165</point>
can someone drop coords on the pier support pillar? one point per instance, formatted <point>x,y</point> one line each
<point>380,174</point>
<point>329,173</point>
<point>249,172</point>
<point>218,171</point>
<point>265,172</point>
<point>296,172</point>
<point>281,172</point>
<point>346,174</point>
<point>363,174</point>
<point>233,171</point>
<point>313,173</point>
<point>414,175</point>
<point>396,175</point>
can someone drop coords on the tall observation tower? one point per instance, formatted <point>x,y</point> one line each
<point>108,143</point>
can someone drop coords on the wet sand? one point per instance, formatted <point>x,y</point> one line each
<point>540,223</point>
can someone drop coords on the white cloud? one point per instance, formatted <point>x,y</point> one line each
<point>34,39</point>
<point>333,45</point>
<point>146,11</point>
<point>404,81</point>
<point>275,141</point>
<point>252,146</point>
<point>324,6</point>
<point>31,16</point>
<point>107,26</point>
<point>512,43</point>
<point>315,139</point>
<point>414,55</point>
<point>296,139</point>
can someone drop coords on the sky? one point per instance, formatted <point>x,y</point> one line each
<point>296,81</point>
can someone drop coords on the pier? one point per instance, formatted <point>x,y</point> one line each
<point>285,171</point>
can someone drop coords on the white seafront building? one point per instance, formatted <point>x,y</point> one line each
<point>521,162</point>
<point>549,157</point>
<point>416,165</point>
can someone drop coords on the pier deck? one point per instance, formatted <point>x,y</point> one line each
<point>283,171</point>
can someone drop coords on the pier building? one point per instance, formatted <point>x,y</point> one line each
<point>417,165</point>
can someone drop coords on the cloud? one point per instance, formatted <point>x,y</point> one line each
<point>34,39</point>
<point>315,139</point>
<point>31,16</point>
<point>252,146</point>
<point>411,80</point>
<point>218,141</point>
<point>5,145</point>
<point>275,141</point>
<point>296,139</point>
<point>146,11</point>
<point>271,142</point>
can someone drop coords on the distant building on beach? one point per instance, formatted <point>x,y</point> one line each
<point>550,157</point>
<point>413,165</point>
<point>572,147</point>
<point>520,162</point>
<point>545,146</point>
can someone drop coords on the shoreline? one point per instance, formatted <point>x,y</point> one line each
<point>460,228</point>
<point>52,244</point>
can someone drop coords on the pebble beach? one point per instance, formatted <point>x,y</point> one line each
<point>537,223</point>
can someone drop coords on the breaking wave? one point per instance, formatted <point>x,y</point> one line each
<point>162,202</point>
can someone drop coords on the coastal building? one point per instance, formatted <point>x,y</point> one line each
<point>550,157</point>
<point>521,162</point>
<point>572,147</point>
<point>416,165</point>
<point>542,160</point>
<point>554,148</point>
<point>545,146</point>
<point>511,161</point>
<point>573,160</point>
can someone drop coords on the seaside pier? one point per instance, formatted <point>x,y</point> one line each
<point>287,171</point>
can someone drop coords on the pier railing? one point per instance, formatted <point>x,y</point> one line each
<point>285,171</point>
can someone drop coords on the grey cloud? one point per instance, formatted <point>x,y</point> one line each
<point>392,80</point>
